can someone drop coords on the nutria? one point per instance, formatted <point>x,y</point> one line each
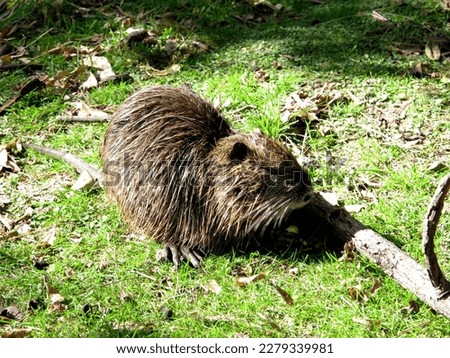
<point>182,175</point>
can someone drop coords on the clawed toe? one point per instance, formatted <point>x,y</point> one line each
<point>177,253</point>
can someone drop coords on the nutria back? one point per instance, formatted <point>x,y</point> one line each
<point>182,175</point>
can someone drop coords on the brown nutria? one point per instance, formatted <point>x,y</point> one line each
<point>183,176</point>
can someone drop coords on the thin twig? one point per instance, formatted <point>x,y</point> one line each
<point>81,119</point>
<point>70,159</point>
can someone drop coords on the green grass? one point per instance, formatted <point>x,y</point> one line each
<point>98,265</point>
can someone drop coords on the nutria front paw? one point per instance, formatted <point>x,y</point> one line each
<point>177,253</point>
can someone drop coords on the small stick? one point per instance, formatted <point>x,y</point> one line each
<point>70,159</point>
<point>18,66</point>
<point>430,222</point>
<point>81,119</point>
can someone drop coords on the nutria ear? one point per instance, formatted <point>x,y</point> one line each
<point>239,152</point>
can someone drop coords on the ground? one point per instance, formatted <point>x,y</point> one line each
<point>358,90</point>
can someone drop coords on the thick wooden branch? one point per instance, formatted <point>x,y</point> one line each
<point>392,260</point>
<point>431,220</point>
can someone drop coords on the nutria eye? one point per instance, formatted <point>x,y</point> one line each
<point>239,152</point>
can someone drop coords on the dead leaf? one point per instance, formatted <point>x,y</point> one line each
<point>56,300</point>
<point>90,82</point>
<point>445,5</point>
<point>212,286</point>
<point>432,50</point>
<point>358,294</point>
<point>166,72</point>
<point>261,75</point>
<point>378,17</point>
<point>12,313</point>
<point>17,333</point>
<point>101,63</point>
<point>85,111</point>
<point>84,181</point>
<point>244,281</point>
<point>310,101</point>
<point>349,252</point>
<point>286,296</point>
<point>412,308</point>
<point>376,286</point>
<point>49,237</point>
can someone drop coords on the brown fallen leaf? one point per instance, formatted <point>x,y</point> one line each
<point>261,75</point>
<point>56,299</point>
<point>85,111</point>
<point>412,308</point>
<point>244,281</point>
<point>17,333</point>
<point>349,252</point>
<point>358,294</point>
<point>286,296</point>
<point>375,286</point>
<point>12,313</point>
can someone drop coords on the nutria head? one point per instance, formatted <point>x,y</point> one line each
<point>254,183</point>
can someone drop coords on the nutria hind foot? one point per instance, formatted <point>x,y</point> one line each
<point>178,253</point>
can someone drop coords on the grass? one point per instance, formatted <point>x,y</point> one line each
<point>375,151</point>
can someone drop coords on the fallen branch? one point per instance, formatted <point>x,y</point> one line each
<point>431,220</point>
<point>392,260</point>
<point>70,159</point>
